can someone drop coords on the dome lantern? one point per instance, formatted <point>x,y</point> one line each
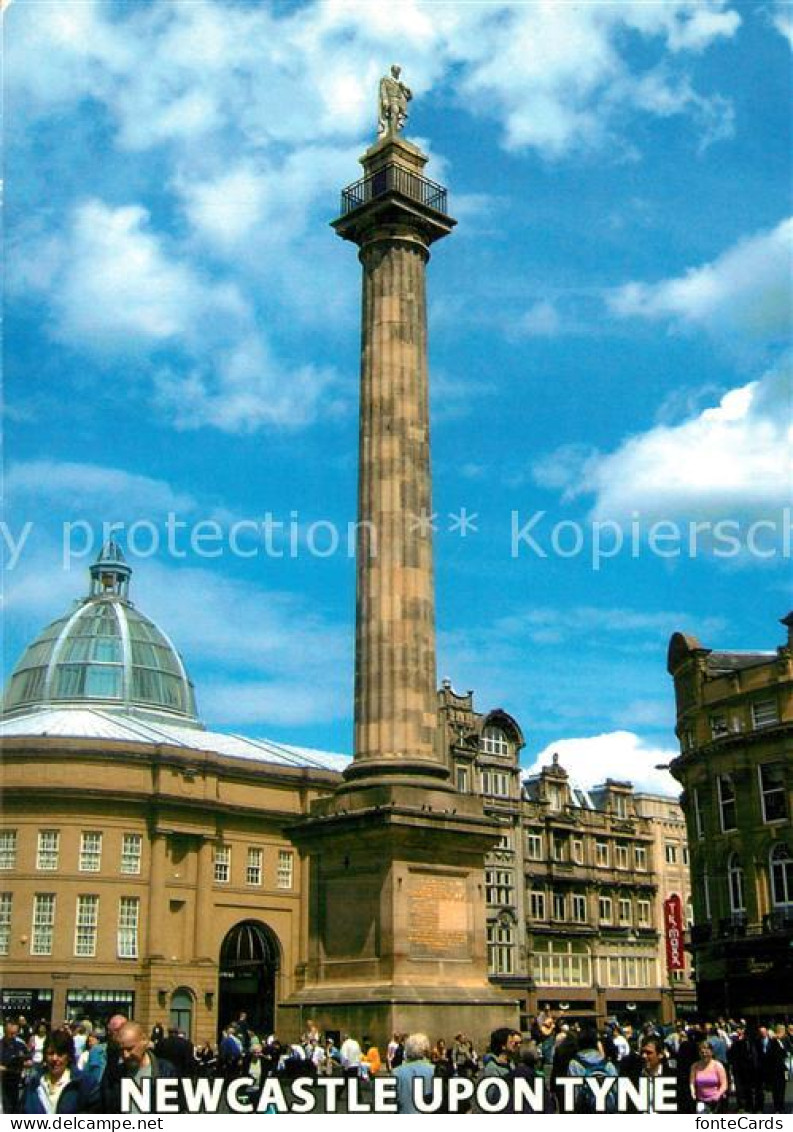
<point>110,573</point>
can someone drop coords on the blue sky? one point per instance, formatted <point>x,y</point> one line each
<point>609,342</point>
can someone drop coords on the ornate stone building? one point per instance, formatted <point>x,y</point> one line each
<point>735,726</point>
<point>150,865</point>
<point>576,882</point>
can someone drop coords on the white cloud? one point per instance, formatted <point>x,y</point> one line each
<point>244,390</point>
<point>731,458</point>
<point>551,73</point>
<point>561,468</point>
<point>747,290</point>
<point>782,19</point>
<point>253,116</point>
<point>115,285</point>
<point>540,321</point>
<point>95,488</point>
<point>730,461</point>
<point>621,755</point>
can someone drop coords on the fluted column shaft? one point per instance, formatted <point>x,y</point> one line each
<point>395,710</point>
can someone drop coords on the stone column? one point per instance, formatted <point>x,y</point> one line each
<point>395,710</point>
<point>157,910</point>
<point>204,901</point>
<point>395,679</point>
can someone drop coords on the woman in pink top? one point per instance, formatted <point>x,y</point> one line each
<point>708,1080</point>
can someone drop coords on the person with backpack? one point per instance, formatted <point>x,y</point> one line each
<point>591,1063</point>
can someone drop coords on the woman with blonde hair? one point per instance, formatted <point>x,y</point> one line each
<point>707,1080</point>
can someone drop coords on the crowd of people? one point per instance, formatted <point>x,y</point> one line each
<point>79,1066</point>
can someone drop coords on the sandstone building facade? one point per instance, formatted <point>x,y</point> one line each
<point>735,726</point>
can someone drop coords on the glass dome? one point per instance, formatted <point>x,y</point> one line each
<point>104,651</point>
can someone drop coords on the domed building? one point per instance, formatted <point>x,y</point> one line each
<point>145,859</point>
<point>104,651</point>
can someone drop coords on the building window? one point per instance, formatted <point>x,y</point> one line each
<point>670,853</point>
<point>699,825</point>
<point>43,923</point>
<point>534,846</point>
<point>253,868</point>
<point>537,904</point>
<point>495,783</point>
<point>498,886</point>
<point>772,791</point>
<point>718,725</point>
<point>559,906</point>
<point>578,907</point>
<point>602,853</point>
<point>564,963</point>
<point>781,877</point>
<point>735,883</point>
<point>626,916</point>
<point>131,851</point>
<point>85,926</point>
<point>495,742</point>
<point>90,852</point>
<point>128,920</point>
<point>286,868</point>
<point>621,856</point>
<point>685,855</point>
<point>764,713</point>
<point>640,856</point>
<point>461,774</point>
<point>6,905</point>
<point>8,849</point>
<point>558,848</point>
<point>222,864</point>
<point>643,913</point>
<point>577,850</point>
<point>628,971</point>
<point>604,909</point>
<point>620,805</point>
<point>500,948</point>
<point>48,849</point>
<point>726,802</point>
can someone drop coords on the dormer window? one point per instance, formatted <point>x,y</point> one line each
<point>555,797</point>
<point>620,804</point>
<point>495,742</point>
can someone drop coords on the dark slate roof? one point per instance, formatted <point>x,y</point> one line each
<point>734,661</point>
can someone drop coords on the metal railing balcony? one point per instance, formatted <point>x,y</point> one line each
<point>394,178</point>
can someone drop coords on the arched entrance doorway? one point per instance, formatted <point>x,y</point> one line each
<point>250,958</point>
<point>181,1014</point>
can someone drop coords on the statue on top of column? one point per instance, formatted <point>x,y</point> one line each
<point>392,103</point>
